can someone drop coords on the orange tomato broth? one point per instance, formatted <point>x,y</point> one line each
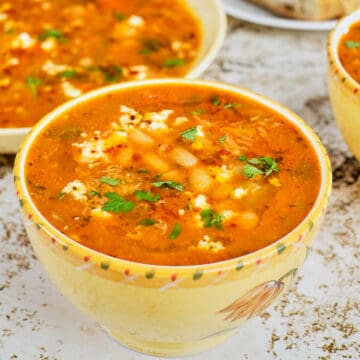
<point>349,51</point>
<point>52,51</point>
<point>173,175</point>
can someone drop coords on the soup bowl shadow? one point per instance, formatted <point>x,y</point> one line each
<point>170,310</point>
<point>343,89</point>
<point>213,24</point>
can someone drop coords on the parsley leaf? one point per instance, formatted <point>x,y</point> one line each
<point>68,74</point>
<point>175,231</point>
<point>111,73</point>
<point>147,196</point>
<point>61,195</point>
<point>231,106</point>
<point>94,193</point>
<point>211,219</point>
<point>215,100</point>
<point>198,112</point>
<point>222,139</point>
<point>189,134</point>
<point>53,33</point>
<point>262,165</point>
<point>170,184</point>
<point>117,203</point>
<point>147,222</point>
<point>352,44</point>
<point>150,46</point>
<point>174,62</point>
<point>109,181</point>
<point>119,16</point>
<point>33,83</point>
<point>143,171</point>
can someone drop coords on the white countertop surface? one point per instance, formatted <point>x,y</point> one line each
<point>319,318</point>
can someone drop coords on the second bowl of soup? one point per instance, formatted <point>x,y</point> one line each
<point>172,210</point>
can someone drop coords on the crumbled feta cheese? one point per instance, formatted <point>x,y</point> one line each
<point>53,69</point>
<point>157,120</point>
<point>77,189</point>
<point>139,72</point>
<point>91,151</point>
<point>222,174</point>
<point>49,44</point>
<point>23,41</point>
<point>181,212</point>
<point>206,244</point>
<point>199,131</point>
<point>70,90</point>
<point>3,16</point>
<point>239,193</point>
<point>129,117</point>
<point>136,21</point>
<point>13,61</point>
<point>86,61</point>
<point>98,212</point>
<point>201,202</point>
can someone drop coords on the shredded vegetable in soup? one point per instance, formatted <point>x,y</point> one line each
<point>349,52</point>
<point>52,51</point>
<point>174,175</point>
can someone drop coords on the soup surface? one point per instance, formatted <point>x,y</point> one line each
<point>174,174</point>
<point>349,52</point>
<point>52,51</point>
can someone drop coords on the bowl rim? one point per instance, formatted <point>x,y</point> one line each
<point>341,28</point>
<point>117,264</point>
<point>193,72</point>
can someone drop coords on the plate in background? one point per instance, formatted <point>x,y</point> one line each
<point>244,10</point>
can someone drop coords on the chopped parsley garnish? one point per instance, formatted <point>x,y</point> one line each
<point>169,184</point>
<point>222,139</point>
<point>215,100</point>
<point>53,33</point>
<point>175,231</point>
<point>147,222</point>
<point>117,203</point>
<point>352,44</point>
<point>61,195</point>
<point>259,166</point>
<point>189,134</point>
<point>33,83</point>
<point>109,181</point>
<point>174,62</point>
<point>147,196</point>
<point>119,16</point>
<point>211,219</point>
<point>143,171</point>
<point>231,106</point>
<point>94,193</point>
<point>198,112</point>
<point>111,73</point>
<point>150,46</point>
<point>68,74</point>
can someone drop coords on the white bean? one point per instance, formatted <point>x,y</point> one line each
<point>183,157</point>
<point>200,180</point>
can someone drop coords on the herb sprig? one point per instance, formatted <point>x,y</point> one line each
<point>259,166</point>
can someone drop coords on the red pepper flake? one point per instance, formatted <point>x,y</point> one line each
<point>30,216</point>
<point>233,225</point>
<point>86,258</point>
<point>224,152</point>
<point>127,272</point>
<point>300,237</point>
<point>258,261</point>
<point>136,157</point>
<point>356,91</point>
<point>173,277</point>
<point>53,240</point>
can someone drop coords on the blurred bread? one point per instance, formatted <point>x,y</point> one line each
<point>350,5</point>
<point>307,9</point>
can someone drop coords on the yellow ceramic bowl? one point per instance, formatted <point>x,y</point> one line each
<point>213,24</point>
<point>344,90</point>
<point>170,310</point>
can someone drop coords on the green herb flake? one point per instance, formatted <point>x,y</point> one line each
<point>174,62</point>
<point>61,195</point>
<point>198,112</point>
<point>189,134</point>
<point>53,33</point>
<point>150,45</point>
<point>147,196</point>
<point>109,181</point>
<point>231,106</point>
<point>169,184</point>
<point>94,193</point>
<point>117,203</point>
<point>259,166</point>
<point>175,231</point>
<point>68,74</point>
<point>211,219</point>
<point>147,222</point>
<point>111,73</point>
<point>215,100</point>
<point>242,158</point>
<point>251,171</point>
<point>119,16</point>
<point>143,171</point>
<point>223,139</point>
<point>352,44</point>
<point>33,83</point>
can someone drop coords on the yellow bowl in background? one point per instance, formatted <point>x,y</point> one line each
<point>170,310</point>
<point>212,19</point>
<point>344,90</point>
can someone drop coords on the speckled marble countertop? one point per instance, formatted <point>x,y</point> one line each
<point>318,319</point>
